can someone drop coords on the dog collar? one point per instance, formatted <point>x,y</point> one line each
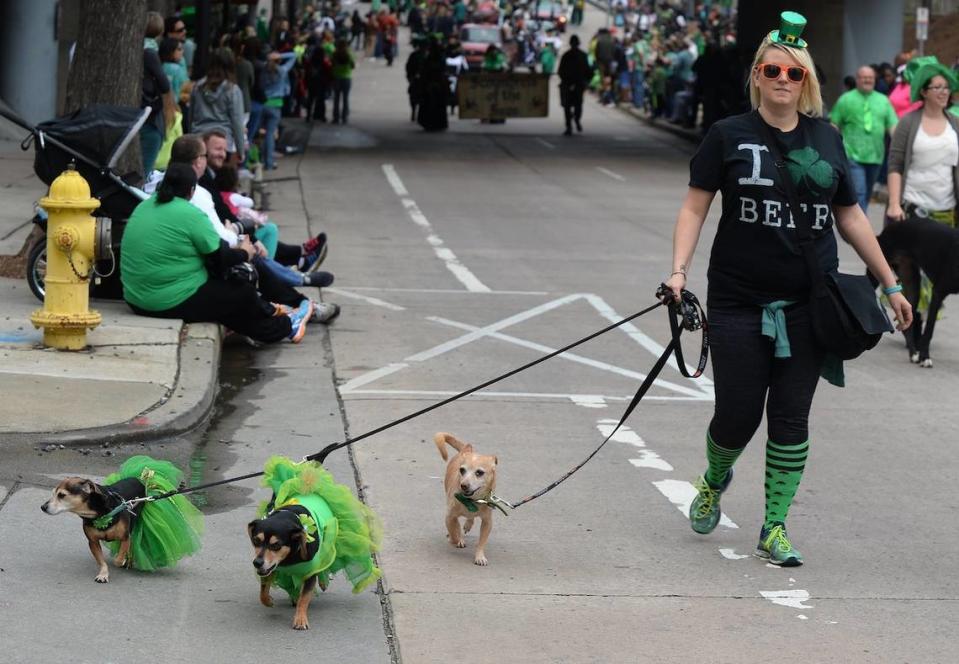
<point>472,505</point>
<point>105,521</point>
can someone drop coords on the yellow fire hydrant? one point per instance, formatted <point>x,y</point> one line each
<point>66,315</point>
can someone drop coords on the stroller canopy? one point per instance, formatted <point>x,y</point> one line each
<point>99,133</point>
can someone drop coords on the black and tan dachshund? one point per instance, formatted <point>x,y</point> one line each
<point>90,501</point>
<point>927,245</point>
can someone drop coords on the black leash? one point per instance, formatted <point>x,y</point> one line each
<point>692,315</point>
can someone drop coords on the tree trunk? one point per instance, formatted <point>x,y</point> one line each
<point>108,64</point>
<point>164,7</point>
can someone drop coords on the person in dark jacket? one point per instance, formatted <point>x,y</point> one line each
<point>435,89</point>
<point>574,75</point>
<point>414,73</point>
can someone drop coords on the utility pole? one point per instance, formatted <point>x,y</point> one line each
<point>922,25</point>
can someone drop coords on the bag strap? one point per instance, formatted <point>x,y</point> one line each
<point>803,223</point>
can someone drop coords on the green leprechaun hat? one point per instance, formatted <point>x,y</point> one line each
<point>790,27</point>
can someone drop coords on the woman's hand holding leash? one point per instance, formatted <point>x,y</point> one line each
<point>675,285</point>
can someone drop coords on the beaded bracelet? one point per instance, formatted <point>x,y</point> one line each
<point>892,289</point>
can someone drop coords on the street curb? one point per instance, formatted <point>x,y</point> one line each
<point>183,409</point>
<point>663,125</point>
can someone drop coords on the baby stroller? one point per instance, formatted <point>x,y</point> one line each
<point>93,139</point>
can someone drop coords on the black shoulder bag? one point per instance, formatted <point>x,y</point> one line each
<point>847,319</point>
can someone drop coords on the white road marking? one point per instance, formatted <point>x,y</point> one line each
<point>691,394</point>
<point>802,617</point>
<point>615,176</point>
<point>370,376</point>
<point>494,327</point>
<point>647,458</point>
<point>507,395</point>
<point>589,400</point>
<point>572,357</point>
<point>445,254</point>
<point>546,143</point>
<point>366,298</point>
<point>394,180</point>
<point>417,215</point>
<point>731,554</point>
<point>681,493</point>
<point>452,291</point>
<point>791,598</point>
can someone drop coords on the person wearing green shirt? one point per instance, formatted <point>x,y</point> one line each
<point>547,58</point>
<point>494,59</point>
<point>864,117</point>
<point>168,245</point>
<point>343,64</point>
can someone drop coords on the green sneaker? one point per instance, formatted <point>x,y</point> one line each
<point>775,546</point>
<point>704,511</point>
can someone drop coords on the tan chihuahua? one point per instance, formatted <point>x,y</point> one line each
<point>469,477</point>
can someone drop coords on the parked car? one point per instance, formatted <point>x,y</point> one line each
<point>486,13</point>
<point>547,10</point>
<point>475,38</point>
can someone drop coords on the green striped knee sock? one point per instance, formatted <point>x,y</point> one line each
<point>784,468</point>
<point>720,460</point>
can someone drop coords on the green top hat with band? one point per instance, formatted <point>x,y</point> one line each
<point>923,71</point>
<point>790,27</point>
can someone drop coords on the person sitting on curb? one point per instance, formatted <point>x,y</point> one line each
<point>170,254</point>
<point>276,282</point>
<point>305,257</point>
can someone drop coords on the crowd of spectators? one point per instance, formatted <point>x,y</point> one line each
<point>198,249</point>
<point>671,64</point>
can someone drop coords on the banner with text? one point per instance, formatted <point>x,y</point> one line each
<point>500,95</point>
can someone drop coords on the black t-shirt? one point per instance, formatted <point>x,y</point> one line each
<point>755,257</point>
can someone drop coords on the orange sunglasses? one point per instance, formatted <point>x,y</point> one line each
<point>794,73</point>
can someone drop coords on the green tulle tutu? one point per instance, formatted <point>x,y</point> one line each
<point>349,531</point>
<point>166,530</point>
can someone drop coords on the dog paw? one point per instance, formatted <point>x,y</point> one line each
<point>926,363</point>
<point>102,578</point>
<point>480,560</point>
<point>914,358</point>
<point>267,601</point>
<point>467,526</point>
<point>301,624</point>
<point>120,561</point>
<point>460,544</point>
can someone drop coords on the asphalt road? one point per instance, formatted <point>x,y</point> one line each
<point>458,257</point>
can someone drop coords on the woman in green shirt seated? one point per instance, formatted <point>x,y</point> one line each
<point>168,253</point>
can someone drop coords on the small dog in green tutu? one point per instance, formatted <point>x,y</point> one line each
<point>311,529</point>
<point>146,537</point>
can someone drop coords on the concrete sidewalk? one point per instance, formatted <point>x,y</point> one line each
<point>139,379</point>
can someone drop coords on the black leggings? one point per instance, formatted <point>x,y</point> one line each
<point>748,378</point>
<point>234,304</point>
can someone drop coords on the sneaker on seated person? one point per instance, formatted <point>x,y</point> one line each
<point>298,320</point>
<point>320,279</point>
<point>314,251</point>
<point>325,312</point>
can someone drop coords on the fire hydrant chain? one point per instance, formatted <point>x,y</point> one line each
<point>73,266</point>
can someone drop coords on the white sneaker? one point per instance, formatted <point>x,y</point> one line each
<point>325,312</point>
